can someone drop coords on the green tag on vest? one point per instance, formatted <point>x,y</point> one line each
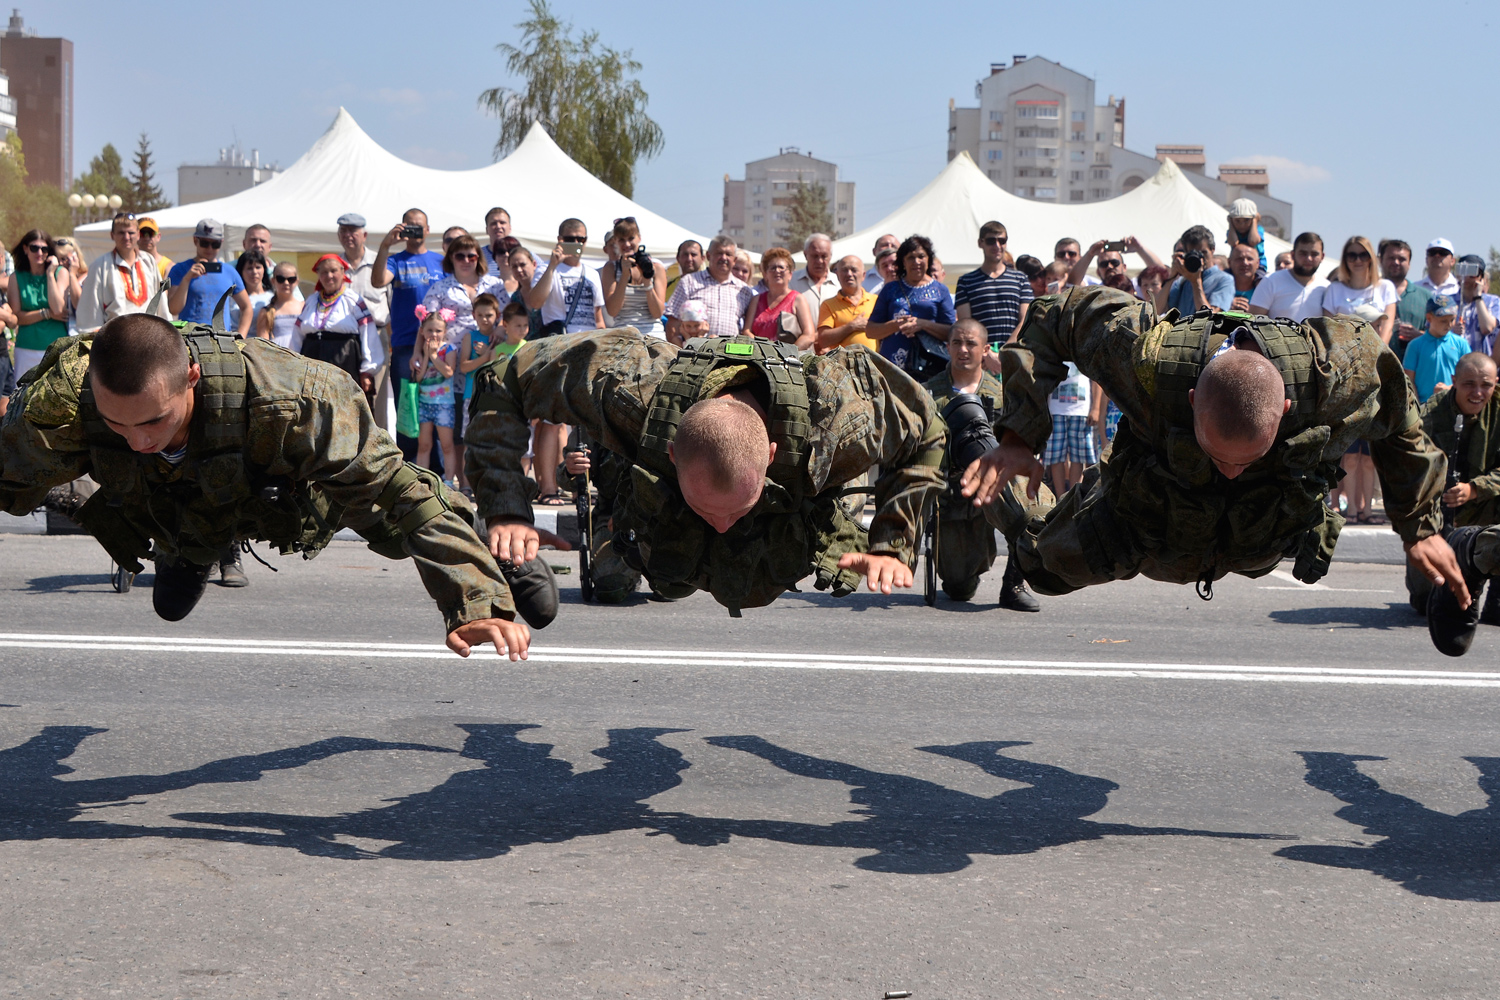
<point>1236,315</point>
<point>739,349</point>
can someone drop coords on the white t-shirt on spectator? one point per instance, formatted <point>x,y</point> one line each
<point>1282,296</point>
<point>569,282</point>
<point>1449,287</point>
<point>1341,300</point>
<point>1071,397</point>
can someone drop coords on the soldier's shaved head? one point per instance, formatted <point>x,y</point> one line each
<point>721,452</point>
<point>132,352</point>
<point>1240,394</point>
<point>1474,363</point>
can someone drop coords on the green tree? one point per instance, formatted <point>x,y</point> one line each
<point>145,196</point>
<point>585,95</point>
<point>806,214</point>
<point>26,206</point>
<point>106,175</point>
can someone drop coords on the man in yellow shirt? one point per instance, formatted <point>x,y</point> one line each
<point>150,237</point>
<point>842,319</point>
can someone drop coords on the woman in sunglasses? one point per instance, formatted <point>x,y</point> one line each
<point>278,320</point>
<point>465,279</point>
<point>37,291</point>
<point>1356,289</point>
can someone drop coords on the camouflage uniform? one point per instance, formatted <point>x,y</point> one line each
<point>1477,450</point>
<point>288,456</point>
<point>966,540</point>
<point>860,411</point>
<point>1157,505</point>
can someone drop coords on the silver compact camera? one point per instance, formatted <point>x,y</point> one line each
<point>1467,269</point>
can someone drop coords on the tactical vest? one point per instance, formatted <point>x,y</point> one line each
<point>784,538</point>
<point>212,498</point>
<point>1170,485</point>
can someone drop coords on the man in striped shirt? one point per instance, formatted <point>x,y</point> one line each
<point>722,294</point>
<point>994,294</point>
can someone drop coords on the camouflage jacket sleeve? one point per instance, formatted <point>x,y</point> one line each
<point>1105,332</point>
<point>865,412</point>
<point>1370,398</point>
<point>602,382</point>
<point>42,443</point>
<point>309,422</point>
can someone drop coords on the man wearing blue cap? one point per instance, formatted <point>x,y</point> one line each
<point>1429,361</point>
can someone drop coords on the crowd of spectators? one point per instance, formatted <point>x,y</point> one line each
<point>406,320</point>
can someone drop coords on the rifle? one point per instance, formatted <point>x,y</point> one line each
<point>1449,513</point>
<point>584,511</point>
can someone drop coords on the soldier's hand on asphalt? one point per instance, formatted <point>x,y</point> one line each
<point>989,474</point>
<point>1434,559</point>
<point>510,638</point>
<point>516,541</point>
<point>1458,495</point>
<point>880,572</point>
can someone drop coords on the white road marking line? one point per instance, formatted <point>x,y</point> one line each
<point>1297,584</point>
<point>785,661</point>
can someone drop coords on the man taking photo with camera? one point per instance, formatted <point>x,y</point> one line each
<point>1198,283</point>
<point>198,284</point>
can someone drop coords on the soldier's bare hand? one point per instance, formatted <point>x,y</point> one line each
<point>577,462</point>
<point>516,541</point>
<point>510,638</point>
<point>991,472</point>
<point>1434,559</point>
<point>880,572</point>
<point>1458,495</point>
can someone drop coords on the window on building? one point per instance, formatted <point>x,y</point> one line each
<point>775,216</point>
<point>1046,112</point>
<point>996,136</point>
<point>759,203</point>
<point>1075,195</point>
<point>759,232</point>
<point>757,218</point>
<point>1046,192</point>
<point>1026,152</point>
<point>994,154</point>
<point>843,220</point>
<point>843,206</point>
<point>1078,116</point>
<point>1024,192</point>
<point>1100,173</point>
<point>1077,137</point>
<point>778,186</point>
<point>1098,193</point>
<point>1076,155</point>
<point>1101,157</point>
<point>997,116</point>
<point>1047,152</point>
<point>994,175</point>
<point>1098,136</point>
<point>1075,175</point>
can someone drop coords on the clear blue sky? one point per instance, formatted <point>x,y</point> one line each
<point>1377,119</point>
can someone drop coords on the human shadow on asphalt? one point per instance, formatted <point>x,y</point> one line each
<point>37,804</point>
<point>523,795</point>
<point>78,583</point>
<point>1395,615</point>
<point>1428,852</point>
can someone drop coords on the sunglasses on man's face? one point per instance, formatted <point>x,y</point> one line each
<point>210,244</point>
<point>995,241</point>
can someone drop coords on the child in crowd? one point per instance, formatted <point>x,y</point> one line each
<point>1429,361</point>
<point>432,367</point>
<point>1245,227</point>
<point>475,348</point>
<point>1072,448</point>
<point>517,324</point>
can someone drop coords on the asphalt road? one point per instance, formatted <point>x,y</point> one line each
<point>1279,794</point>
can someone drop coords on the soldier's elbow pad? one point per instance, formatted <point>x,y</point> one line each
<point>439,503</point>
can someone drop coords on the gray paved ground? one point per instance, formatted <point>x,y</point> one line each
<point>243,825</point>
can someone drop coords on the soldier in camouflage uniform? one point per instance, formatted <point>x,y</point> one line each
<point>1464,421</point>
<point>1232,433</point>
<point>966,539</point>
<point>198,440</point>
<point>809,424</point>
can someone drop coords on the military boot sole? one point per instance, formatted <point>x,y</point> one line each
<point>178,588</point>
<point>534,590</point>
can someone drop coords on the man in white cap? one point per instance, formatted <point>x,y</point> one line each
<point>1245,227</point>
<point>1439,278</point>
<point>359,262</point>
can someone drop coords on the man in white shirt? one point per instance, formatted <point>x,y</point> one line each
<point>815,282</point>
<point>121,282</point>
<point>875,279</point>
<point>1439,279</point>
<point>568,293</point>
<point>359,263</point>
<point>1296,292</point>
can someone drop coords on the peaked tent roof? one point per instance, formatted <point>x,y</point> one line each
<point>951,208</point>
<point>347,171</point>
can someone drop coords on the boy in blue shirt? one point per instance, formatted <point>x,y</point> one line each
<point>1429,361</point>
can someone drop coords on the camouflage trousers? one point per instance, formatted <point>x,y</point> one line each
<point>966,551</point>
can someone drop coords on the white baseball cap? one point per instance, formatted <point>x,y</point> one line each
<point>1440,244</point>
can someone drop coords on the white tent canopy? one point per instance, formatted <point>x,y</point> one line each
<point>347,171</point>
<point>950,210</point>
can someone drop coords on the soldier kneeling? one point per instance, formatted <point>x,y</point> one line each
<point>199,440</point>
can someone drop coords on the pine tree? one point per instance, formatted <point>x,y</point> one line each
<point>585,95</point>
<point>145,196</point>
<point>807,214</point>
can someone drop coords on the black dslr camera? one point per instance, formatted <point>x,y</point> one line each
<point>1192,261</point>
<point>643,263</point>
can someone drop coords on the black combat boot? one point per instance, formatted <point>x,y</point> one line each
<point>178,587</point>
<point>231,570</point>
<point>1452,628</point>
<point>1491,613</point>
<point>534,590</point>
<point>1013,593</point>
